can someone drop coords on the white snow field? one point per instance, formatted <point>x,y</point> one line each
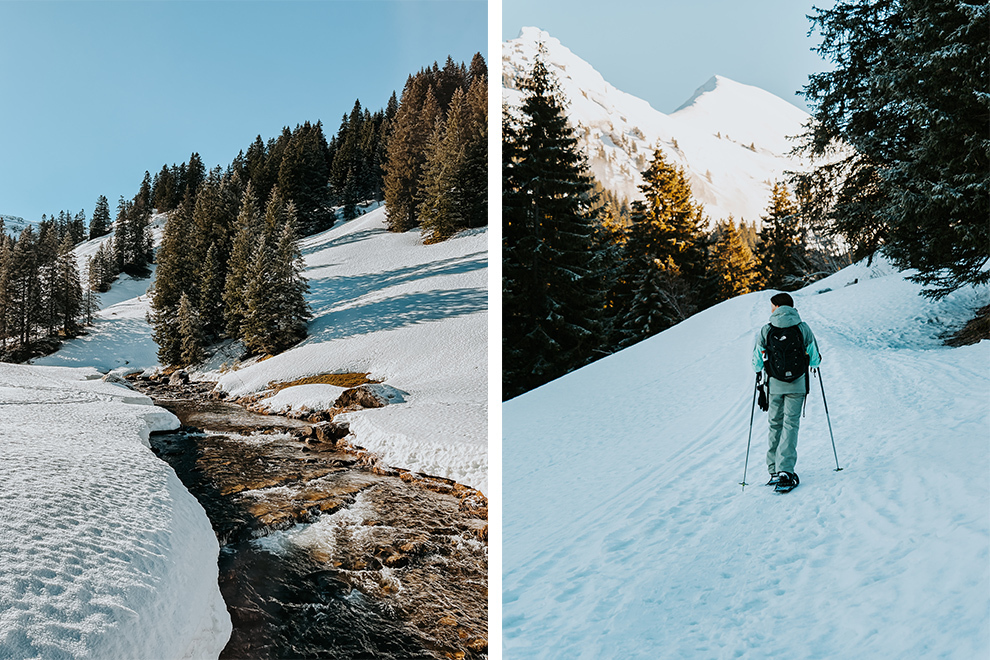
<point>730,138</point>
<point>104,553</point>
<point>411,315</point>
<point>627,534</point>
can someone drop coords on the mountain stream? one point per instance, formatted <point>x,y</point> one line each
<point>324,553</point>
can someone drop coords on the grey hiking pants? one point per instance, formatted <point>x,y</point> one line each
<point>785,419</point>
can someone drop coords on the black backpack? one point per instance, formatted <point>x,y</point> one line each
<point>786,358</point>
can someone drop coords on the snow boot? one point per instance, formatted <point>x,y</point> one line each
<point>774,478</point>
<point>786,482</point>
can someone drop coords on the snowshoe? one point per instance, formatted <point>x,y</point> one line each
<point>774,478</point>
<point>786,482</point>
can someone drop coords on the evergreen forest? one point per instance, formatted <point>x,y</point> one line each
<point>229,264</point>
<point>585,274</point>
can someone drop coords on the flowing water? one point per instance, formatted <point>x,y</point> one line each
<point>323,556</point>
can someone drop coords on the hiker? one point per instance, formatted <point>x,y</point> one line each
<point>787,357</point>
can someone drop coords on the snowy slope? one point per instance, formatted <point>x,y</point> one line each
<point>104,552</point>
<point>627,534</point>
<point>730,138</point>
<point>412,315</point>
<point>14,225</point>
<point>120,337</point>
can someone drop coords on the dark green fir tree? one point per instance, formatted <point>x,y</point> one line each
<point>902,120</point>
<point>100,224</point>
<point>551,290</point>
<point>782,238</point>
<point>190,330</point>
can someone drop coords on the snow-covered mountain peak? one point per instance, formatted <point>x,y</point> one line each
<point>744,113</point>
<point>13,225</point>
<point>730,138</point>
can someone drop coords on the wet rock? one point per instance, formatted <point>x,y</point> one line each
<point>330,432</point>
<point>178,379</point>
<point>304,433</point>
<point>362,396</point>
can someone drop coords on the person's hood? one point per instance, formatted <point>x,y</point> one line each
<point>785,317</point>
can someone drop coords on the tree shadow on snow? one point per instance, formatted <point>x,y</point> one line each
<point>346,239</point>
<point>397,312</point>
<point>329,292</point>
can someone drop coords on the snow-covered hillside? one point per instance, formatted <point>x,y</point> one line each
<point>104,553</point>
<point>411,315</point>
<point>730,138</point>
<point>415,317</point>
<point>627,534</point>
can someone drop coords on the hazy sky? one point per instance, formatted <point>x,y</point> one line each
<point>92,94</point>
<point>662,50</point>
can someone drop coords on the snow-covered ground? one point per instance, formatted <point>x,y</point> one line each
<point>627,534</point>
<point>104,553</point>
<point>730,138</point>
<point>413,316</point>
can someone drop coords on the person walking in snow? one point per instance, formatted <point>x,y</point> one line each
<point>786,348</point>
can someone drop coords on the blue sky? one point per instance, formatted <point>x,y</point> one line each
<point>92,94</point>
<point>662,50</point>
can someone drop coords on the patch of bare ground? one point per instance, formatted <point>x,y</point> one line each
<point>339,380</point>
<point>976,330</point>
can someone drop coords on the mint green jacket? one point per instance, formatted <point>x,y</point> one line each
<point>787,317</point>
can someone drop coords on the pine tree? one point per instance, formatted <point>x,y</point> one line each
<point>661,297</point>
<point>46,255</point>
<point>441,207</point>
<point>143,199</point>
<point>6,308</point>
<point>210,306</point>
<point>193,176</point>
<point>275,307</point>
<point>260,304</point>
<point>290,287</point>
<point>664,247</point>
<point>248,231</point>
<point>91,299</point>
<point>303,177</point>
<point>414,122</point>
<point>132,239</point>
<point>550,289</point>
<point>100,224</point>
<point>69,295</point>
<point>77,228</point>
<point>163,190</point>
<point>782,240</point>
<point>903,95</point>
<point>732,265</point>
<point>190,333</point>
<point>474,168</point>
<point>174,278</point>
<point>25,295</point>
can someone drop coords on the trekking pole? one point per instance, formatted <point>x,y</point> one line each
<point>822,383</point>
<point>749,439</point>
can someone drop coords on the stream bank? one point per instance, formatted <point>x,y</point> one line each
<point>324,552</point>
